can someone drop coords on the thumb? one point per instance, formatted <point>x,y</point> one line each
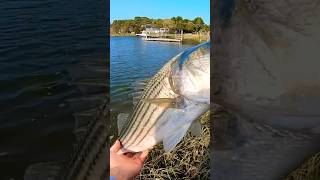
<point>116,146</point>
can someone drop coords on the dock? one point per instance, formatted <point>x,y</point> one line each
<point>164,37</point>
<point>159,34</point>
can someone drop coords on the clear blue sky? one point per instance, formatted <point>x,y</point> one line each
<point>162,9</point>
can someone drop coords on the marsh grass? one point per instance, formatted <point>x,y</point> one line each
<point>309,170</point>
<point>191,160</point>
<point>194,38</point>
<point>188,160</point>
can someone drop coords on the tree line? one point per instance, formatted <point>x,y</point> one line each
<point>175,24</point>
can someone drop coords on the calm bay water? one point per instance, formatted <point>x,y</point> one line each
<point>133,59</point>
<point>39,39</point>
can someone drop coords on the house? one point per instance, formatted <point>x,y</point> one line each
<point>150,30</point>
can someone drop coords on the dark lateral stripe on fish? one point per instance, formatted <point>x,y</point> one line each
<point>133,118</point>
<point>141,105</point>
<point>141,119</point>
<point>129,133</point>
<point>153,94</point>
<point>134,138</point>
<point>149,129</point>
<point>153,124</point>
<point>85,153</point>
<point>99,151</point>
<point>137,119</point>
<point>161,75</point>
<point>143,129</point>
<point>79,166</point>
<point>164,86</point>
<point>98,136</point>
<point>137,107</point>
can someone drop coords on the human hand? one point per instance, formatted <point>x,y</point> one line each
<point>125,166</point>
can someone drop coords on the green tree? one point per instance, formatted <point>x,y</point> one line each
<point>174,24</point>
<point>158,23</point>
<point>205,28</point>
<point>198,22</point>
<point>178,23</point>
<point>115,26</point>
<point>140,22</point>
<point>189,27</point>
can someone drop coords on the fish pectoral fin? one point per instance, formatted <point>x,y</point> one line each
<point>122,120</point>
<point>196,128</point>
<point>177,102</point>
<point>170,142</point>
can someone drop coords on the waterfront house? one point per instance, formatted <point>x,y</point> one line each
<point>153,31</point>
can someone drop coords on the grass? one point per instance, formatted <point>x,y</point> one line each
<point>309,170</point>
<point>194,38</point>
<point>189,160</point>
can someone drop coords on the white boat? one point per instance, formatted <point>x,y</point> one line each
<point>142,35</point>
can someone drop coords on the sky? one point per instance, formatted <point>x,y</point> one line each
<point>160,9</point>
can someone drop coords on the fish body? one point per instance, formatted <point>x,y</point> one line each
<point>91,113</point>
<point>267,78</point>
<point>171,101</point>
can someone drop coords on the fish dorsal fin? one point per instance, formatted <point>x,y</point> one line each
<point>122,119</point>
<point>170,142</point>
<point>177,102</point>
<point>138,87</point>
<point>195,128</point>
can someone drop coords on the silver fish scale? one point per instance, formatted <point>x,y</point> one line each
<point>147,94</point>
<point>146,114</point>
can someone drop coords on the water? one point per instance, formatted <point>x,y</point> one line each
<point>133,59</point>
<point>39,39</point>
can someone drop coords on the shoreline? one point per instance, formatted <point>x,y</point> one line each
<point>123,35</point>
<point>187,38</point>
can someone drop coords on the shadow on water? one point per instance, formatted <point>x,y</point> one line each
<point>38,40</point>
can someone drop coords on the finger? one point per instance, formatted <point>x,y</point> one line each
<point>116,146</point>
<point>140,157</point>
<point>144,155</point>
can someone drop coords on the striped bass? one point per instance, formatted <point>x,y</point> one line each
<point>171,101</point>
<point>91,114</point>
<point>267,77</point>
